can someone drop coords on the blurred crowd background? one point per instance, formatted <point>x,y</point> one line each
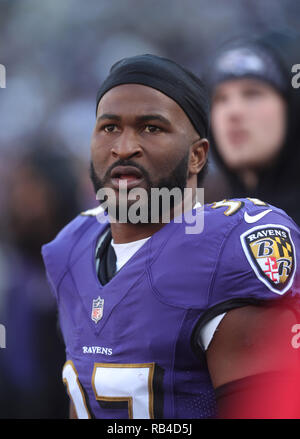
<point>56,54</point>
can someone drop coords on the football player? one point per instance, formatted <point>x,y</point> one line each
<point>158,322</point>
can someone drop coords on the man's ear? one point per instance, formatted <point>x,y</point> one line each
<point>198,156</point>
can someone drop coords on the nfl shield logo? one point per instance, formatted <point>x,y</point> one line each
<point>97,309</point>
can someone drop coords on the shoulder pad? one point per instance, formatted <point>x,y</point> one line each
<point>56,254</point>
<point>259,256</point>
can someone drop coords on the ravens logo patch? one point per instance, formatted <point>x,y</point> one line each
<point>271,253</point>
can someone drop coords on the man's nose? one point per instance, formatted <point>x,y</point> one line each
<point>126,145</point>
<point>235,108</point>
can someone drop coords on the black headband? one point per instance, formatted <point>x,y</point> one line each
<point>164,75</point>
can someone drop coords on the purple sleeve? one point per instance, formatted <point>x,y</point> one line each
<point>257,262</point>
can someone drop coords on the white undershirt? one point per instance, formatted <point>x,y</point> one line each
<point>125,251</point>
<point>208,330</point>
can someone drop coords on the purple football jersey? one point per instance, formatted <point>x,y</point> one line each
<point>130,345</point>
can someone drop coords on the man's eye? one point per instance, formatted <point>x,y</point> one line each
<point>110,128</point>
<point>253,93</point>
<point>219,98</point>
<point>152,129</point>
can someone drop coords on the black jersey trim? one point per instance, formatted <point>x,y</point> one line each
<point>288,300</point>
<point>214,311</point>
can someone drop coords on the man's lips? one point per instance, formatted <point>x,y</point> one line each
<point>129,174</point>
<point>237,136</point>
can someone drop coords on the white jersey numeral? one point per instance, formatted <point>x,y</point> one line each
<point>257,202</point>
<point>70,378</point>
<point>131,383</point>
<point>114,383</point>
<point>232,206</point>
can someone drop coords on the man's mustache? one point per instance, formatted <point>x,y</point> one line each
<point>143,171</point>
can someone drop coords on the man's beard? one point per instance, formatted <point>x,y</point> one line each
<point>177,178</point>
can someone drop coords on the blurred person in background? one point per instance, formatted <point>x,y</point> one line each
<point>42,197</point>
<point>254,139</point>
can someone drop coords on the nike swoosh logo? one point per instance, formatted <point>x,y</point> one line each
<point>253,218</point>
